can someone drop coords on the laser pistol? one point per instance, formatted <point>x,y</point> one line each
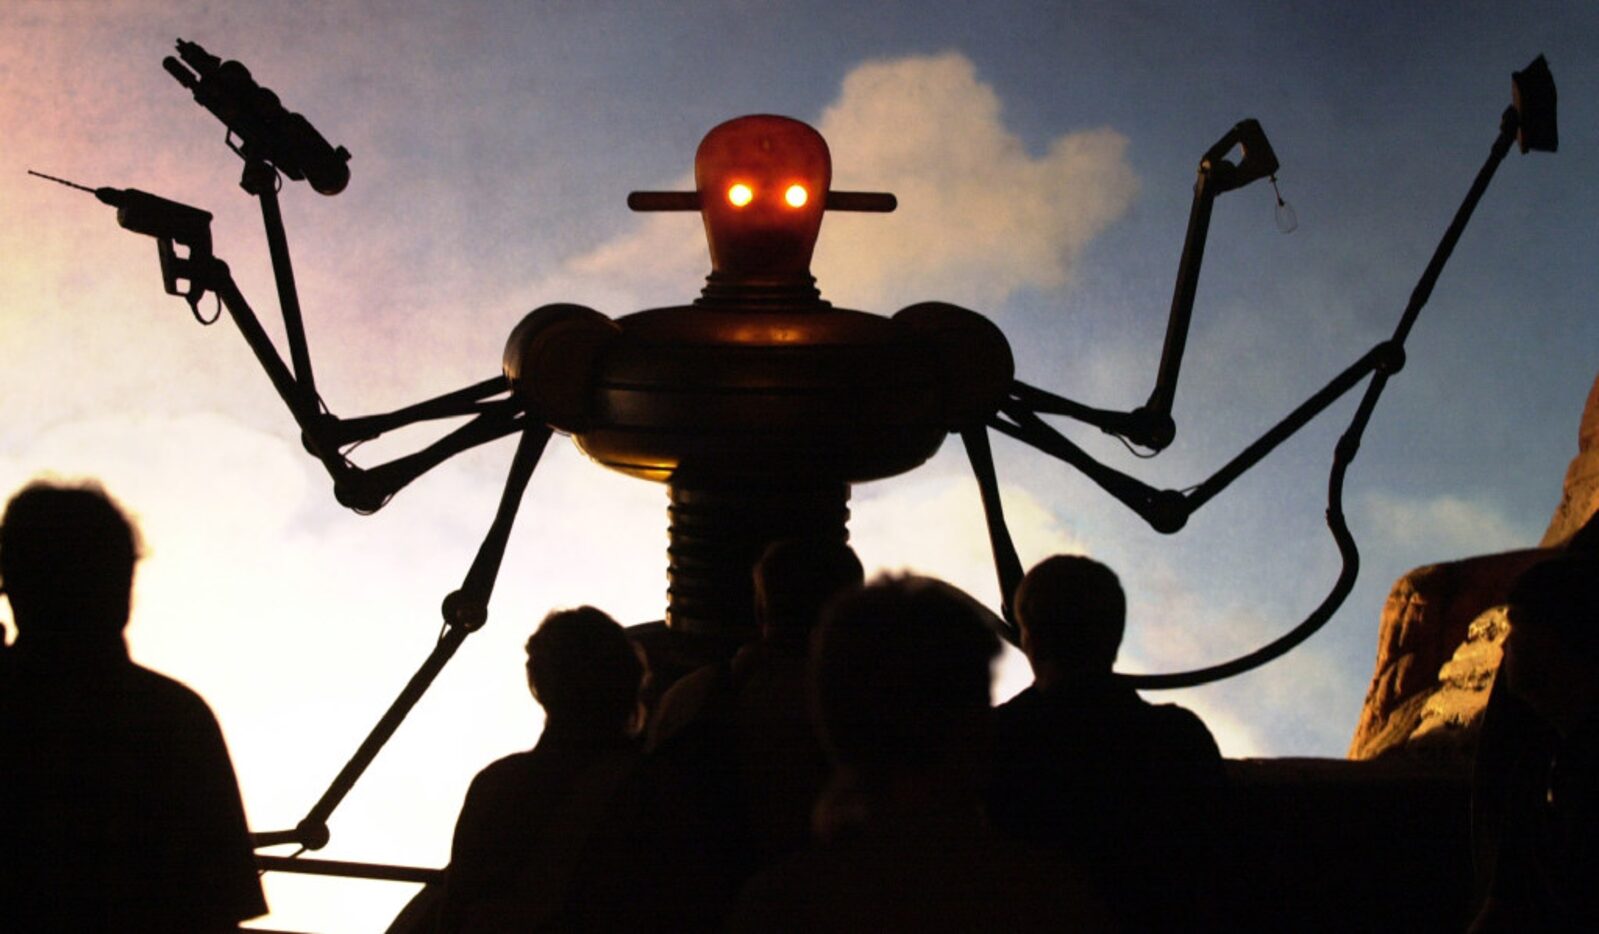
<point>169,222</point>
<point>254,115</point>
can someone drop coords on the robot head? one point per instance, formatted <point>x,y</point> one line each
<point>762,183</point>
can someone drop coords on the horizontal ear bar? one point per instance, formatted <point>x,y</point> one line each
<point>877,202</point>
<point>663,200</point>
<point>872,201</point>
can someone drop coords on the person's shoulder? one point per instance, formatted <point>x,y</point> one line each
<point>1177,717</point>
<point>164,694</point>
<point>138,677</point>
<point>1184,729</point>
<point>504,778</point>
<point>695,696</point>
<point>1026,696</point>
<point>506,769</point>
<point>1026,702</point>
<point>694,688</point>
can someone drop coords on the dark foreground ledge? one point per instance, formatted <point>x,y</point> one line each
<point>1309,845</point>
<point>1335,844</point>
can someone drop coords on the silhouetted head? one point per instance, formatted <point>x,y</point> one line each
<point>1551,655</point>
<point>66,562</point>
<point>585,672</point>
<point>762,182</point>
<point>796,577</point>
<point>1072,614</point>
<point>902,669</point>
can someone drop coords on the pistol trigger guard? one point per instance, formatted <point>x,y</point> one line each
<point>193,298</point>
<point>175,270</point>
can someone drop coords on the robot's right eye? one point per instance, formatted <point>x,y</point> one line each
<point>740,194</point>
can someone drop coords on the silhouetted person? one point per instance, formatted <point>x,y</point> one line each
<point>733,764</point>
<point>749,719</point>
<point>119,810</point>
<point>1088,768</point>
<point>902,672</point>
<point>673,653</point>
<point>1536,790</point>
<point>532,822</point>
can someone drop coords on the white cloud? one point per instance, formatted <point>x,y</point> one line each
<point>934,525</point>
<point>1446,526</point>
<point>1183,632</point>
<point>979,218</point>
<point>662,261</point>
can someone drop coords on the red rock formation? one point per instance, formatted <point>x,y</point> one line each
<point>1438,644</point>
<point>1427,617</point>
<point>1580,498</point>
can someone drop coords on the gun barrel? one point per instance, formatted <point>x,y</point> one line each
<point>177,70</point>
<point>62,181</point>
<point>195,55</point>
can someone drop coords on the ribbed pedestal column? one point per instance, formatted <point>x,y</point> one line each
<point>718,532</point>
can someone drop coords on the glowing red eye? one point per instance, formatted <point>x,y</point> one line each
<point>796,196</point>
<point>740,195</point>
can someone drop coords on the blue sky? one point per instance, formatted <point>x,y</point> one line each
<point>1043,155</point>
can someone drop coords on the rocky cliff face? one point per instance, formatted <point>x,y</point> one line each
<point>1580,498</point>
<point>1437,617</point>
<point>1443,624</point>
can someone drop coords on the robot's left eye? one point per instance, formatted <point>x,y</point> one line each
<point>796,196</point>
<point>740,194</point>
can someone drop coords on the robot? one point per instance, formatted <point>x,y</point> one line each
<point>759,403</point>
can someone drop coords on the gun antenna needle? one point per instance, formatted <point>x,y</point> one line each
<point>62,181</point>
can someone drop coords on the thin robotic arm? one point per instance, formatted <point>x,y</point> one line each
<point>1168,510</point>
<point>188,269</point>
<point>465,611</point>
<point>1529,120</point>
<point>1165,510</point>
<point>326,436</point>
<point>1150,425</point>
<point>1006,562</point>
<point>275,143</point>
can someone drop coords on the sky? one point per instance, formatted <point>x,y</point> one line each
<point>1043,156</point>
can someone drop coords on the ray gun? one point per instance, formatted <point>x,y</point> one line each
<point>173,225</point>
<point>276,143</point>
<point>261,131</point>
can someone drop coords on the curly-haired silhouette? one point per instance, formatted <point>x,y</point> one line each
<point>531,820</point>
<point>747,721</point>
<point>119,805</point>
<point>902,672</point>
